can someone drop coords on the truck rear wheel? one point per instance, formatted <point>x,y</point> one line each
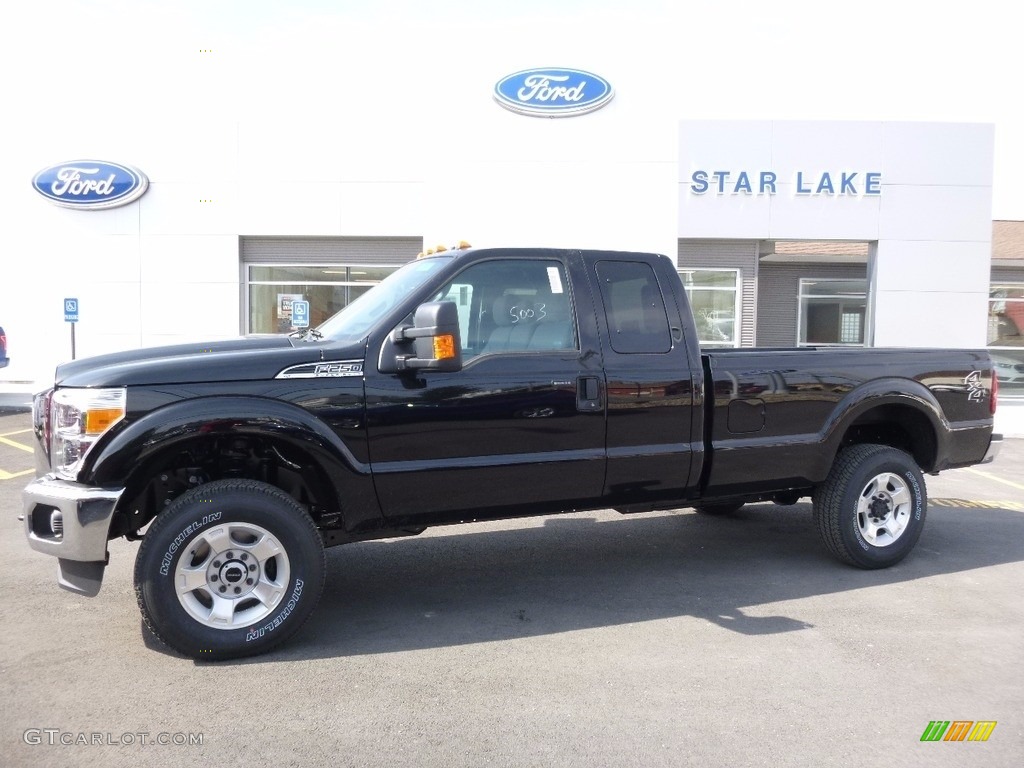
<point>229,569</point>
<point>870,511</point>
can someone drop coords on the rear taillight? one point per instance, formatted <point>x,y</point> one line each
<point>994,397</point>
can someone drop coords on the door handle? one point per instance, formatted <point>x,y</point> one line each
<point>588,393</point>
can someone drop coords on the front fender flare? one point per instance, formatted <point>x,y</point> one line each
<point>131,448</point>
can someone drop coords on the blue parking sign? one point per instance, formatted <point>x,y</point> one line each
<point>71,310</point>
<point>300,314</point>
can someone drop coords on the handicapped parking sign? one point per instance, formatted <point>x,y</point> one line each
<point>71,310</point>
<point>300,314</point>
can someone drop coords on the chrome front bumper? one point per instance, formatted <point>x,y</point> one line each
<point>81,546</point>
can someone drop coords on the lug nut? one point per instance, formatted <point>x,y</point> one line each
<point>252,567</point>
<point>223,588</point>
<point>249,582</point>
<point>213,578</point>
<point>244,556</point>
<point>216,563</point>
<point>237,590</point>
<point>230,555</point>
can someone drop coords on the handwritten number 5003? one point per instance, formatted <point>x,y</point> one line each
<point>528,313</point>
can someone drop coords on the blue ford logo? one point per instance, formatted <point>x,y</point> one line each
<point>90,184</point>
<point>553,92</point>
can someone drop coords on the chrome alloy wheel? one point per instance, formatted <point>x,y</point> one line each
<point>232,575</point>
<point>883,509</point>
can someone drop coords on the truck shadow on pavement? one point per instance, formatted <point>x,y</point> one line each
<point>571,573</point>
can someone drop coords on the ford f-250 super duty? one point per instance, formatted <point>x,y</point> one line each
<point>470,385</point>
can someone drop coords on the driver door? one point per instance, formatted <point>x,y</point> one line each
<point>520,429</point>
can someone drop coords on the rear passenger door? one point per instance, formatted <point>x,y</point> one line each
<point>651,390</point>
<point>520,427</point>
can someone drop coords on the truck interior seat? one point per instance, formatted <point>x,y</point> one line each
<point>513,329</point>
<point>554,330</point>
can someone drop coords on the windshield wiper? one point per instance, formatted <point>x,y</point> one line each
<point>306,334</point>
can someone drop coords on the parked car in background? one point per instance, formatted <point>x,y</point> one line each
<point>4,360</point>
<point>1007,369</point>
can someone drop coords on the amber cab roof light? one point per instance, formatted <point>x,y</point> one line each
<point>461,246</point>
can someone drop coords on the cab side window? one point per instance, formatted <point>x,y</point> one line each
<point>637,318</point>
<point>511,306</point>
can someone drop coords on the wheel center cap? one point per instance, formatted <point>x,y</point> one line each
<point>232,573</point>
<point>879,508</point>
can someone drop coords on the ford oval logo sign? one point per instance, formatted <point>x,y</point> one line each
<point>90,184</point>
<point>553,92</point>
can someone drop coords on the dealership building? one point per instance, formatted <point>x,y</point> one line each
<point>785,233</point>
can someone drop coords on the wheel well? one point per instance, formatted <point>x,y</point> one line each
<point>166,475</point>
<point>898,426</point>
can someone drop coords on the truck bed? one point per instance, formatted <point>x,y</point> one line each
<point>772,408</point>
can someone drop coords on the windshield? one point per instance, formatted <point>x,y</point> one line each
<point>355,320</point>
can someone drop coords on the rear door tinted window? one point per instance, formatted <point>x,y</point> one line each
<point>637,318</point>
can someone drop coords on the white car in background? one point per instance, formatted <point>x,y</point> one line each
<point>1008,370</point>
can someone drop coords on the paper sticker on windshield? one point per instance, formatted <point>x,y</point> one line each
<point>555,279</point>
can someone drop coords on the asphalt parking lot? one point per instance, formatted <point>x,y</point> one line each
<point>589,639</point>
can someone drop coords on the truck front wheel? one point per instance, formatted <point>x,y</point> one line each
<point>229,569</point>
<point>870,511</point>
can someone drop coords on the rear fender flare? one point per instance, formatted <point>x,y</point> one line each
<point>875,394</point>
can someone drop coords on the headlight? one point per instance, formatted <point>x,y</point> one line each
<point>78,417</point>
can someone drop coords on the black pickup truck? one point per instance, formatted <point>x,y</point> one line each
<point>471,385</point>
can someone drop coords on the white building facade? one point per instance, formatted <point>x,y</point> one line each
<point>786,233</point>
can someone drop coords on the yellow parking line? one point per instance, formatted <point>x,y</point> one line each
<point>11,475</point>
<point>968,504</point>
<point>13,444</point>
<point>996,478</point>
<point>16,432</point>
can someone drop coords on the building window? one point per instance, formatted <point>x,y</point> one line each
<point>1006,336</point>
<point>714,298</point>
<point>832,312</point>
<point>271,289</point>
